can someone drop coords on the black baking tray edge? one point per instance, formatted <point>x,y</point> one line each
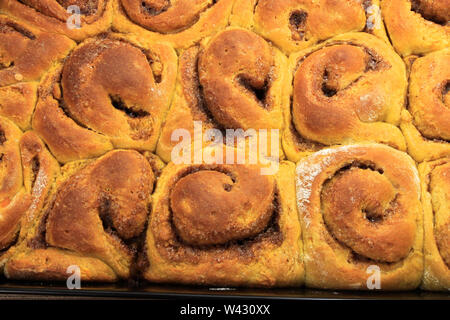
<point>152,291</point>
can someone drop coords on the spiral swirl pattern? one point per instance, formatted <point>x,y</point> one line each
<point>98,210</point>
<point>349,89</point>
<point>95,16</point>
<point>294,25</point>
<point>233,81</point>
<point>27,171</point>
<point>360,206</point>
<point>13,200</point>
<point>109,92</point>
<point>179,22</point>
<point>417,26</point>
<point>226,222</point>
<point>435,198</point>
<point>25,54</point>
<point>426,125</point>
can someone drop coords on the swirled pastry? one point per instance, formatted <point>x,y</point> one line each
<point>27,171</point>
<point>231,81</point>
<point>77,19</point>
<point>426,124</point>
<point>417,26</point>
<point>13,199</point>
<point>226,225</point>
<point>97,211</point>
<point>181,23</point>
<point>360,207</point>
<point>346,90</point>
<point>110,92</point>
<point>435,178</point>
<point>25,54</point>
<point>293,25</point>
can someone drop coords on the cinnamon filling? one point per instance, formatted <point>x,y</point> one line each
<point>117,102</point>
<point>88,8</point>
<point>237,238</point>
<point>206,214</point>
<point>11,26</point>
<point>2,137</point>
<point>259,92</point>
<point>155,7</point>
<point>364,218</point>
<point>297,24</point>
<point>35,166</point>
<point>431,10</point>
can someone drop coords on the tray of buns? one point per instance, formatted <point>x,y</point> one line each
<point>225,148</point>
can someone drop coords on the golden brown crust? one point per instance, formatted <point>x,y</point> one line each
<point>232,81</point>
<point>417,26</point>
<point>215,224</point>
<point>112,91</point>
<point>211,207</point>
<point>239,254</point>
<point>182,23</point>
<point>94,218</point>
<point>17,103</point>
<point>294,25</point>
<point>38,170</point>
<point>435,199</point>
<point>360,207</point>
<point>26,53</point>
<point>13,199</point>
<point>426,124</point>
<point>51,265</point>
<point>52,15</point>
<point>346,90</point>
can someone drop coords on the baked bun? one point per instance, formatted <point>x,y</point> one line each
<point>435,178</point>
<point>25,54</point>
<point>93,219</point>
<point>417,26</point>
<point>182,23</point>
<point>346,90</point>
<point>224,225</point>
<point>233,80</point>
<point>110,92</point>
<point>56,16</point>
<point>27,171</point>
<point>293,25</point>
<point>360,209</point>
<point>426,124</point>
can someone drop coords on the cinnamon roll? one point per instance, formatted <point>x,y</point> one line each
<point>13,199</point>
<point>426,124</point>
<point>225,225</point>
<point>360,207</point>
<point>27,171</point>
<point>417,26</point>
<point>94,218</point>
<point>436,201</point>
<point>233,80</point>
<point>293,25</point>
<point>181,23</point>
<point>77,19</point>
<point>346,90</point>
<point>25,54</point>
<point>110,92</point>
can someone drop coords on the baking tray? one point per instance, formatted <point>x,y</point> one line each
<point>153,291</point>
